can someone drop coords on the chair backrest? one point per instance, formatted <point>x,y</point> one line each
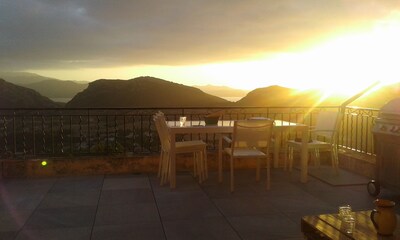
<point>162,129</point>
<point>252,133</point>
<point>328,123</point>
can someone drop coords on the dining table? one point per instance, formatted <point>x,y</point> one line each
<point>226,127</point>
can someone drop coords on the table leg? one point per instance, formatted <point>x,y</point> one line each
<point>172,166</point>
<point>277,145</point>
<point>304,155</point>
<point>220,158</point>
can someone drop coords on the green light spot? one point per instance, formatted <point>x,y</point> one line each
<point>44,163</point>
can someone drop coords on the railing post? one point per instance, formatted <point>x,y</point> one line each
<point>14,136</point>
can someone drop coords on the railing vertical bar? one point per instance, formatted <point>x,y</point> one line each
<point>71,133</point>
<point>62,133</point>
<point>52,134</point>
<point>80,134</point>
<point>23,137</point>
<point>33,136</point>
<point>14,135</point>
<point>124,133</point>
<point>88,129</point>
<point>43,135</point>
<point>5,135</point>
<point>107,146</point>
<point>141,133</point>
<point>115,134</point>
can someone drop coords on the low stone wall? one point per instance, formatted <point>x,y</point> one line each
<point>73,166</point>
<point>358,163</point>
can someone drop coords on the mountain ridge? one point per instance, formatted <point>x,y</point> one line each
<point>14,96</point>
<point>143,92</point>
<point>261,97</point>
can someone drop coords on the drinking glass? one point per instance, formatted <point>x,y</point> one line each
<point>344,211</point>
<point>349,224</point>
<point>182,121</point>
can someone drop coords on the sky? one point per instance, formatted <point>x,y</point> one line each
<point>334,45</point>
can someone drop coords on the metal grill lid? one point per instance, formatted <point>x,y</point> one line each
<point>392,107</point>
<point>391,110</point>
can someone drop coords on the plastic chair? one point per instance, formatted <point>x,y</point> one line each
<point>250,139</point>
<point>197,147</point>
<point>323,137</point>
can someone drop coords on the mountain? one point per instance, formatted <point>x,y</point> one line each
<point>282,96</point>
<point>222,91</point>
<point>143,92</point>
<point>378,98</point>
<point>57,88</point>
<point>13,96</point>
<point>49,87</point>
<point>22,78</point>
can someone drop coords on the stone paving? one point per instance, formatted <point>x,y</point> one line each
<point>135,206</point>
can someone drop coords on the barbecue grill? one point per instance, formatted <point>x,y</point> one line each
<point>387,148</point>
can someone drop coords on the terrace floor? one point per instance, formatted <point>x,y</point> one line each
<point>134,206</point>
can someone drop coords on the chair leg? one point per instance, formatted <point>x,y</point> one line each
<point>195,164</point>
<point>317,157</point>
<point>220,160</point>
<point>290,150</point>
<point>166,168</point>
<point>268,173</point>
<point>258,170</point>
<point>160,163</point>
<point>232,175</point>
<point>335,160</point>
<point>205,163</point>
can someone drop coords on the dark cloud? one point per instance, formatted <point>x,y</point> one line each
<point>97,33</point>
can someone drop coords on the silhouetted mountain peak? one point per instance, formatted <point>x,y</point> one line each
<point>13,96</point>
<point>143,92</point>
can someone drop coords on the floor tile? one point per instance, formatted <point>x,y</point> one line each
<point>139,230</point>
<point>56,233</point>
<point>126,196</point>
<point>199,229</point>
<point>8,235</point>
<point>188,209</point>
<point>68,217</point>
<point>127,213</point>
<point>71,199</point>
<point>275,226</point>
<point>114,182</point>
<point>13,219</point>
<point>245,206</point>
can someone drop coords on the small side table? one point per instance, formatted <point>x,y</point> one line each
<point>329,226</point>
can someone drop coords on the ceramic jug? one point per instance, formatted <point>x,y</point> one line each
<point>384,217</point>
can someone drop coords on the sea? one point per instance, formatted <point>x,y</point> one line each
<point>62,100</point>
<point>232,99</point>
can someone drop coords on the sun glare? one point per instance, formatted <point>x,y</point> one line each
<point>344,65</point>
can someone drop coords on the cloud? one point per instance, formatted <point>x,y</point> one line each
<point>45,34</point>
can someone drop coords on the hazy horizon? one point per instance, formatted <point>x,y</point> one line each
<point>336,46</point>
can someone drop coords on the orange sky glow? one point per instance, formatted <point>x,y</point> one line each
<point>341,48</point>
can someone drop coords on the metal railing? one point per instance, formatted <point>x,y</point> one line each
<point>33,133</point>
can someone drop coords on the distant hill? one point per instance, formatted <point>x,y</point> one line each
<point>282,96</point>
<point>49,87</point>
<point>380,97</point>
<point>57,88</point>
<point>222,91</point>
<point>13,96</point>
<point>143,92</point>
<point>23,78</point>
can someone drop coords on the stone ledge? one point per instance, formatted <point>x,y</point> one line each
<point>73,166</point>
<point>358,163</point>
